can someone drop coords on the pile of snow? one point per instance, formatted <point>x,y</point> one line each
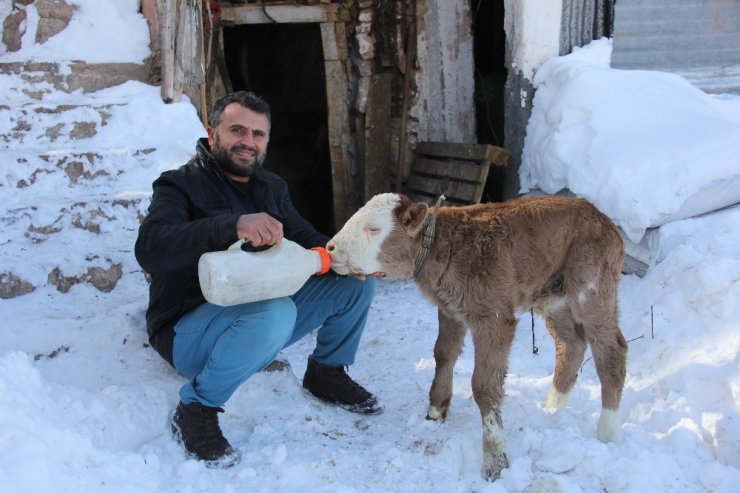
<point>85,403</point>
<point>99,32</point>
<point>120,161</point>
<point>645,147</point>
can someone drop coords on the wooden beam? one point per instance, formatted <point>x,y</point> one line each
<point>480,152</point>
<point>167,47</point>
<point>343,191</point>
<point>336,84</point>
<point>378,136</point>
<point>434,187</point>
<point>456,169</point>
<point>334,40</point>
<point>283,12</point>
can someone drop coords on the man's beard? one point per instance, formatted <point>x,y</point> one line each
<point>229,166</point>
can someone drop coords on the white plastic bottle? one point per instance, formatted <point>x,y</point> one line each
<point>233,276</point>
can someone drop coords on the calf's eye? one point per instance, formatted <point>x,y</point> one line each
<point>373,229</point>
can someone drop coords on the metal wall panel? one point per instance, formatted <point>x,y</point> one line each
<point>583,21</point>
<point>698,39</point>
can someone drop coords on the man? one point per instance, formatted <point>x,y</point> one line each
<point>220,196</point>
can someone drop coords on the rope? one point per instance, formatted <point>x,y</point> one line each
<point>426,243</point>
<point>535,349</point>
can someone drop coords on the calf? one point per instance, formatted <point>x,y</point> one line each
<point>482,263</point>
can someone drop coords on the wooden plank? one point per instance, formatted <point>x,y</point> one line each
<point>329,41</point>
<point>284,12</point>
<point>427,199</point>
<point>337,168</point>
<point>336,85</point>
<point>377,136</point>
<point>430,199</point>
<point>344,205</point>
<point>451,189</point>
<point>203,100</point>
<point>167,47</point>
<point>188,61</point>
<point>476,152</point>
<point>334,40</point>
<point>459,170</point>
<point>453,149</point>
<point>481,184</point>
<point>359,155</point>
<point>338,122</point>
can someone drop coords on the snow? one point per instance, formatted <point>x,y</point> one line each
<point>646,147</point>
<point>84,404</point>
<point>99,32</point>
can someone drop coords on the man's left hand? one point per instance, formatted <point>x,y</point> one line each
<point>362,277</point>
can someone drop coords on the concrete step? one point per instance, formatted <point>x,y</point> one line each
<point>102,273</point>
<point>65,177</point>
<point>45,78</point>
<point>74,188</point>
<point>96,246</point>
<point>37,126</point>
<point>39,223</point>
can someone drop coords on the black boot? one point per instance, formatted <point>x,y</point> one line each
<point>332,384</point>
<point>195,426</point>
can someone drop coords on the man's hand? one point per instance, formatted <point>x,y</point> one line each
<point>362,277</point>
<point>259,229</point>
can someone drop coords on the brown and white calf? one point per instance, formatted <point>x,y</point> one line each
<point>482,263</point>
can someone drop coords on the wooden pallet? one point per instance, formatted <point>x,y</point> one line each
<point>457,170</point>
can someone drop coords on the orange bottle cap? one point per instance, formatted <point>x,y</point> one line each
<point>325,259</point>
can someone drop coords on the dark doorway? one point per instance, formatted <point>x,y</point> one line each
<point>489,55</point>
<point>284,64</point>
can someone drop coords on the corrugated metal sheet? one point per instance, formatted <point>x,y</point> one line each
<point>698,39</point>
<point>583,21</point>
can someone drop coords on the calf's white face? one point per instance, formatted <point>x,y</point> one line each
<point>355,248</point>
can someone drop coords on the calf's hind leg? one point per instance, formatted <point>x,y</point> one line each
<point>447,349</point>
<point>610,357</point>
<point>570,346</point>
<point>609,349</point>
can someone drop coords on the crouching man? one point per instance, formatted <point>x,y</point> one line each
<point>220,196</point>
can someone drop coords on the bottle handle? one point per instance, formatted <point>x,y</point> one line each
<point>245,245</point>
<point>323,254</point>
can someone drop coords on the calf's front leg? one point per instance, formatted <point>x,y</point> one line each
<point>492,343</point>
<point>446,351</point>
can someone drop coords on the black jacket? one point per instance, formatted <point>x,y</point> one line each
<point>194,210</point>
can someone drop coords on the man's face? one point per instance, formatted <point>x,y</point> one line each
<point>239,142</point>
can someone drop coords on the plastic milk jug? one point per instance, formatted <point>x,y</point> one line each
<point>235,276</point>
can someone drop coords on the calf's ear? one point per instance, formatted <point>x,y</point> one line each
<point>410,215</point>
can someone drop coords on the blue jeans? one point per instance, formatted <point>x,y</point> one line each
<point>219,348</point>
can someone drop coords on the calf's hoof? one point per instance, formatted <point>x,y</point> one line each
<point>493,465</point>
<point>610,426</point>
<point>435,413</point>
<point>555,399</point>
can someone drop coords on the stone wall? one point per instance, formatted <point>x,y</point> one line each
<point>54,15</point>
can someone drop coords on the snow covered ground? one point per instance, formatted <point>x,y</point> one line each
<point>85,404</point>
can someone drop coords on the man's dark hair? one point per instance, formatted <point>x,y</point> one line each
<point>247,99</point>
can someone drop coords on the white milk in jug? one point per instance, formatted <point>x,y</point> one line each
<point>233,276</point>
